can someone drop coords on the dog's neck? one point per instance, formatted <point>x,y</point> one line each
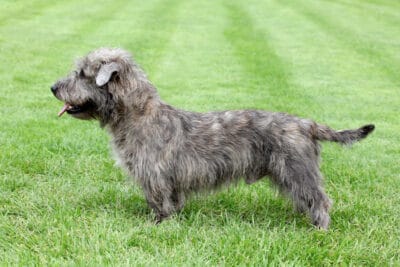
<point>144,97</point>
<point>141,100</point>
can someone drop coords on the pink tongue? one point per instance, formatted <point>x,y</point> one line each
<point>64,108</point>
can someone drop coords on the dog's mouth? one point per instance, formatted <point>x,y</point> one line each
<point>75,109</point>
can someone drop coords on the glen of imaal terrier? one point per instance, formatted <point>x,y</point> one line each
<point>172,152</point>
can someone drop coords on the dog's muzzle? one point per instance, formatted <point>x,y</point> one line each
<point>54,89</point>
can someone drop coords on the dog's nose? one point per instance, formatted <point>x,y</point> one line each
<point>54,88</point>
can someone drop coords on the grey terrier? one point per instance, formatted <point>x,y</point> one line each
<point>172,152</point>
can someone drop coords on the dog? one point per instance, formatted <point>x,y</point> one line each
<point>172,152</point>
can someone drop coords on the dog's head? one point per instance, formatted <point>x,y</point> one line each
<point>99,81</point>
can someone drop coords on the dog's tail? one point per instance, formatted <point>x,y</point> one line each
<point>346,137</point>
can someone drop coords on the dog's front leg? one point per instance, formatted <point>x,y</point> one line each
<point>161,202</point>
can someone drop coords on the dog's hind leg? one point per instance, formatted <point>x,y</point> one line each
<point>314,200</point>
<point>302,183</point>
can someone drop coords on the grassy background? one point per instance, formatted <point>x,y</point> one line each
<point>63,202</point>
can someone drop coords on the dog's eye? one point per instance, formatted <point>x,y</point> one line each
<point>82,74</point>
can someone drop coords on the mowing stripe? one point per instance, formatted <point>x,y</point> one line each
<point>51,34</point>
<point>375,25</point>
<point>200,61</point>
<point>253,50</point>
<point>23,10</point>
<point>137,31</point>
<point>262,64</point>
<point>87,23</point>
<point>20,83</point>
<point>390,4</point>
<point>150,43</point>
<point>328,75</point>
<point>382,60</point>
<point>382,14</point>
<point>93,29</point>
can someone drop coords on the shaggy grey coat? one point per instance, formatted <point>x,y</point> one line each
<point>172,152</point>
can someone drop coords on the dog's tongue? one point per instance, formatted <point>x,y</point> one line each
<point>64,108</point>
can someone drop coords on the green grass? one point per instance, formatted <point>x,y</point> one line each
<point>62,200</point>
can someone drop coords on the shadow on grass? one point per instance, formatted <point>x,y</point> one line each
<point>259,207</point>
<point>227,209</point>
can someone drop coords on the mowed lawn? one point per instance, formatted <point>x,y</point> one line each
<point>62,200</point>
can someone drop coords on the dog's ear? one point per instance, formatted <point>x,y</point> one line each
<point>105,73</point>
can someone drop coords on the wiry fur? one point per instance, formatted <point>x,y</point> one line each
<point>173,152</point>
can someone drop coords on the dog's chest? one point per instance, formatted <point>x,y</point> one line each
<point>126,151</point>
<point>136,154</point>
